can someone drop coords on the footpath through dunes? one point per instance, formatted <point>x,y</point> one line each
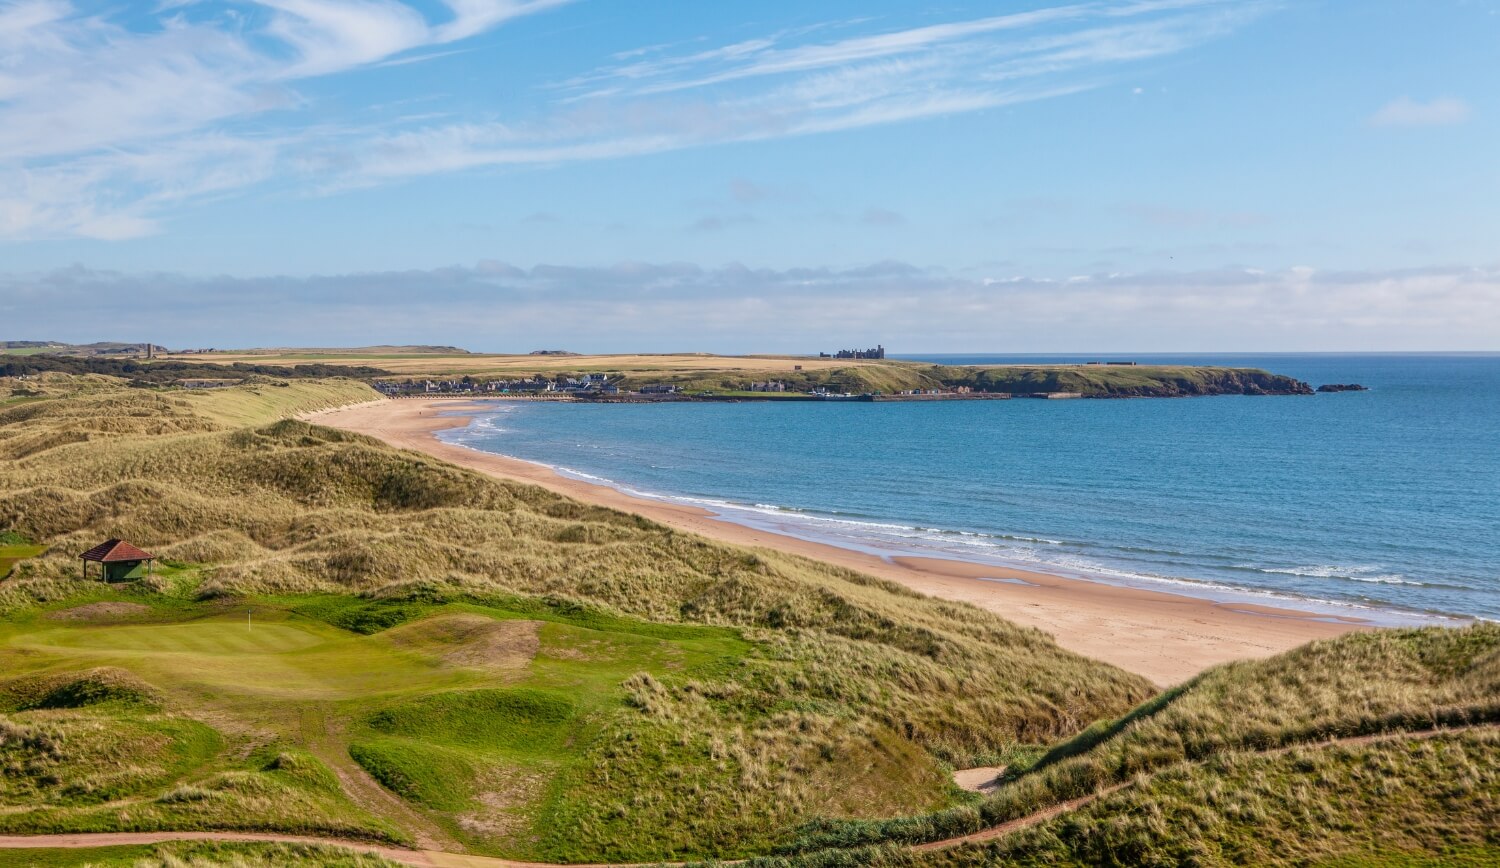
<point>495,668</point>
<point>1250,764</point>
<point>1265,745</point>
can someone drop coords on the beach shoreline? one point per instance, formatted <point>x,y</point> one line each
<point>1166,637</point>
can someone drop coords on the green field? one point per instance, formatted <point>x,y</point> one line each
<point>15,548</point>
<point>439,709</point>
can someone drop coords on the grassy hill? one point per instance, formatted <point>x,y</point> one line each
<point>1374,744</point>
<point>1120,381</point>
<point>691,373</point>
<point>437,657</point>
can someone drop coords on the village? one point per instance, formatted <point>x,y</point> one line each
<point>613,388</point>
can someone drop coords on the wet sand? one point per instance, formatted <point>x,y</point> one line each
<point>1165,637</point>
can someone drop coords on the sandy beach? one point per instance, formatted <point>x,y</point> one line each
<point>1164,637</point>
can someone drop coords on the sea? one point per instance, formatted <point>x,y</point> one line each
<point>1383,504</point>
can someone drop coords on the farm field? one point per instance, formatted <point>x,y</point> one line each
<point>437,364</point>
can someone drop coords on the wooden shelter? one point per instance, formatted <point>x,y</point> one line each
<point>119,561</point>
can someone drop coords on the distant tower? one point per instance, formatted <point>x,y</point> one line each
<point>150,351</point>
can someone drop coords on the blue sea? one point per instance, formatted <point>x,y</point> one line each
<point>1382,504</point>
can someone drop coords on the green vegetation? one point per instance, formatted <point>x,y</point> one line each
<point>1104,381</point>
<point>142,372</point>
<point>197,854</point>
<point>1406,802</point>
<point>15,548</point>
<point>1252,740</point>
<point>728,380</point>
<point>679,698</point>
<point>729,376</point>
<point>890,377</point>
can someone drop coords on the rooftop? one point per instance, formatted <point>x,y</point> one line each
<point>114,551</point>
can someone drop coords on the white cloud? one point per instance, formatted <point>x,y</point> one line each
<point>331,35</point>
<point>471,17</point>
<point>1408,112</point>
<point>500,307</point>
<point>99,122</point>
<point>105,129</point>
<point>765,88</point>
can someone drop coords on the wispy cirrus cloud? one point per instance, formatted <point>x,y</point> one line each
<point>107,126</point>
<point>1408,112</point>
<point>798,83</point>
<point>102,123</point>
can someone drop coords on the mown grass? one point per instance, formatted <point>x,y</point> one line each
<point>102,750</point>
<point>13,549</point>
<point>111,758</point>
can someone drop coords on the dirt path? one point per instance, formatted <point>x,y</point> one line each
<point>1012,826</point>
<point>122,839</point>
<point>444,859</point>
<point>417,858</point>
<point>328,744</point>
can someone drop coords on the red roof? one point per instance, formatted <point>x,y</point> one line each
<point>110,551</point>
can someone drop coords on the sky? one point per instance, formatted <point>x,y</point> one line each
<point>639,175</point>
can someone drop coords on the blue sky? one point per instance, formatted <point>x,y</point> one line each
<point>1099,175</point>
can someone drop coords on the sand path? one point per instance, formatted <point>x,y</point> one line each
<point>1166,637</point>
<point>330,745</point>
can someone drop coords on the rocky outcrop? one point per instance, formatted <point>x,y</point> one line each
<point>1343,387</point>
<point>1144,381</point>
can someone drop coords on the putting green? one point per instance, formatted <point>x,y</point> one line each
<point>219,659</point>
<point>214,637</point>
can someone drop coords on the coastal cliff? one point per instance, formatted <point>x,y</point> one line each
<point>1091,381</point>
<point>1084,381</point>
<point>705,376</point>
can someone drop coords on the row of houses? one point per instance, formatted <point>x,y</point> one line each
<point>588,383</point>
<point>956,390</point>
